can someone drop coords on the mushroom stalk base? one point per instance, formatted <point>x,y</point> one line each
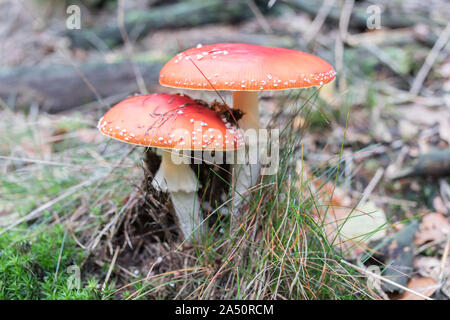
<point>246,170</point>
<point>181,183</point>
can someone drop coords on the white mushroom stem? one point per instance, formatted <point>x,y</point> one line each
<point>247,101</point>
<point>246,175</point>
<point>181,183</point>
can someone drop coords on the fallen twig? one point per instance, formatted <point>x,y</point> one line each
<point>33,214</point>
<point>376,276</point>
<point>430,59</point>
<point>111,267</point>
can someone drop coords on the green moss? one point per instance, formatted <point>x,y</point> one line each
<point>42,267</point>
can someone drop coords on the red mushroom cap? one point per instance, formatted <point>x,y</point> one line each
<point>170,122</point>
<point>244,67</point>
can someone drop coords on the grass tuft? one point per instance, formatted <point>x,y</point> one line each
<point>278,249</point>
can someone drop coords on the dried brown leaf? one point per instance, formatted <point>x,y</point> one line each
<point>434,227</point>
<point>424,285</point>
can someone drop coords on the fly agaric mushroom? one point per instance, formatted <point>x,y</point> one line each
<point>172,123</point>
<point>245,69</point>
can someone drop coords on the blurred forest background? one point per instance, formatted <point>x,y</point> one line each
<point>375,141</point>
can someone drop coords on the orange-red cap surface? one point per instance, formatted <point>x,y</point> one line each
<point>245,67</point>
<point>170,122</point>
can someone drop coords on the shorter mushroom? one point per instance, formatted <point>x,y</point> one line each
<point>172,123</point>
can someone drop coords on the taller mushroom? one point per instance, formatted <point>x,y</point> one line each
<point>245,69</point>
<point>172,123</point>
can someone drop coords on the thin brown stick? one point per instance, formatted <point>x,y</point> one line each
<point>444,260</point>
<point>364,271</point>
<point>129,48</point>
<point>319,20</point>
<point>440,43</point>
<point>33,214</point>
<point>111,267</point>
<point>260,17</point>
